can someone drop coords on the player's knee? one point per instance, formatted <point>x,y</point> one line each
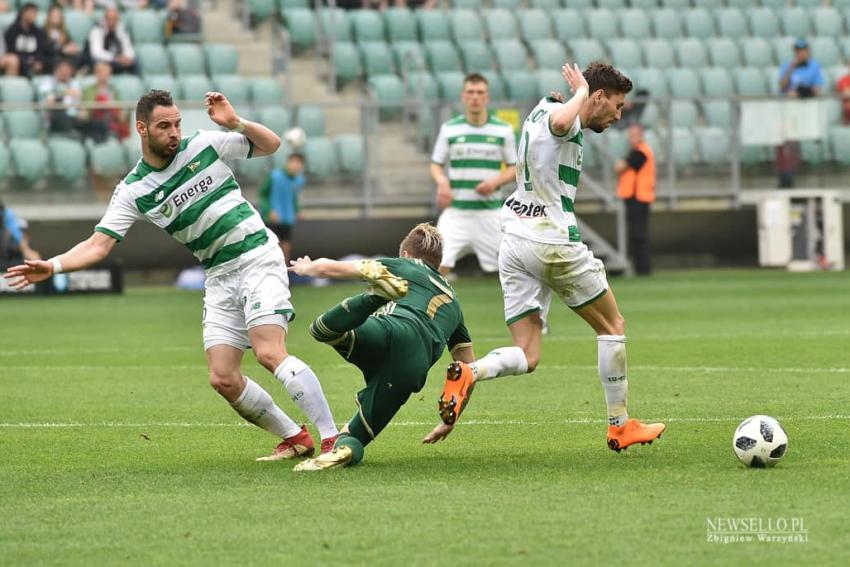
<point>269,357</point>
<point>618,325</point>
<point>225,382</point>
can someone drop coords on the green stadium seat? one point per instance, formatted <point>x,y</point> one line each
<point>320,157</point>
<point>128,87</point>
<point>825,51</point>
<point>276,118</point>
<point>844,44</point>
<point>335,25</point>
<point>683,113</point>
<point>690,52</point>
<point>222,59</point>
<point>713,143</point>
<point>601,24</point>
<point>579,4</point>
<point>569,24</point>
<point>717,113</point>
<point>235,87</point>
<point>282,154</point>
<point>377,58</point>
<point>367,25</point>
<point>706,3</point>
<point>290,4</point>
<point>388,90</point>
<point>684,146</point>
<point>833,74</point>
<point>132,151</point>
<point>667,23</point>
<point>68,158</point>
<point>839,137</point>
<point>731,23</point>
<point>651,79</point>
<point>545,4</point>
<point>4,160</point>
<point>723,52</point>
<point>451,84</point>
<point>634,24</point>
<point>586,50</point>
<point>147,27</point>
<point>78,23</point>
<point>699,23</point>
<point>624,53</point>
<point>346,61</point>
<point>683,82</point>
<point>186,59</point>
<point>422,83</point>
<point>549,80</point>
<point>253,171</point>
<point>658,53</point>
<point>809,3</point>
<point>16,89</point>
<point>783,48</point>
<point>153,59</point>
<point>500,24</point>
<point>408,55</point>
<point>466,25</point>
<point>650,116</point>
<point>827,21</point>
<point>757,52</point>
<point>522,86</point>
<point>716,81</point>
<point>774,4</point>
<point>535,25</point>
<point>442,56</point>
<point>400,24</point>
<point>771,79</point>
<point>763,22</point>
<point>511,55</point>
<point>749,81</point>
<point>467,4</point>
<point>266,90</point>
<point>260,10</point>
<point>194,119</point>
<point>815,152</point>
<point>644,4</point>
<point>194,87</point>
<point>495,85</point>
<point>311,119</point>
<point>30,158</point>
<point>163,83</point>
<point>548,53</point>
<point>351,153</point>
<point>476,56</point>
<point>654,142</point>
<point>795,21</point>
<point>433,25</point>
<point>506,4</point>
<point>611,4</point>
<point>301,25</point>
<point>22,123</point>
<point>616,141</point>
<point>676,4</point>
<point>832,109</point>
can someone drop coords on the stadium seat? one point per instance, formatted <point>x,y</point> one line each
<point>132,151</point>
<point>815,152</point>
<point>666,23</point>
<point>266,90</point>
<point>783,48</point>
<point>194,119</point>
<point>676,4</point>
<point>690,52</point>
<point>716,82</point>
<point>153,59</point>
<point>335,24</point>
<point>68,158</point>
<point>433,25</point>
<point>400,24</point>
<point>833,74</point>
<point>832,109</point>
<point>466,25</point>
<point>163,83</point>
<point>186,59</point>
<point>616,141</point>
<point>16,89</point>
<point>699,23</point>
<point>535,25</point>
<point>377,58</point>
<point>683,113</point>
<point>276,118</point>
<point>749,81</point>
<point>569,24</point>
<point>254,170</point>
<point>368,25</point>
<point>548,53</point>
<point>351,153</point>
<point>810,3</point>
<point>683,82</point>
<point>634,24</point>
<point>22,123</point>
<point>624,53</point>
<point>129,88</point>
<point>451,84</point>
<point>654,142</point>
<point>500,24</point>
<point>467,4</point>
<point>731,23</point>
<point>389,92</point>
<point>827,21</point>
<point>651,79</point>
<point>713,143</point>
<point>408,55</point>
<point>78,23</point>
<point>222,59</point>
<point>684,146</point>
<point>586,50</point>
<point>579,4</point>
<point>194,87</point>
<point>147,26</point>
<point>346,61</point>
<point>288,4</point>
<point>658,53</point>
<point>4,160</point>
<point>763,22</point>
<point>757,52</point>
<point>611,4</point>
<point>545,4</point>
<point>717,113</point>
<point>311,119</point>
<point>549,80</point>
<point>301,25</point>
<point>511,55</point>
<point>260,10</point>
<point>601,24</point>
<point>476,56</point>
<point>771,79</point>
<point>521,85</point>
<point>825,51</point>
<point>839,137</point>
<point>422,83</point>
<point>644,4</point>
<point>321,161</point>
<point>235,88</point>
<point>442,56</point>
<point>795,21</point>
<point>496,85</point>
<point>30,158</point>
<point>723,52</point>
<point>844,44</point>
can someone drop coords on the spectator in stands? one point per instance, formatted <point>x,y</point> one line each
<point>279,197</point>
<point>9,62</point>
<point>637,189</point>
<point>112,119</point>
<point>842,87</point>
<point>801,77</point>
<point>14,240</point>
<point>181,20</point>
<point>28,42</point>
<point>126,5</point>
<point>61,43</point>
<point>110,42</point>
<point>64,89</point>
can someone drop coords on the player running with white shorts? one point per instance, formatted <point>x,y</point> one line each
<point>542,253</point>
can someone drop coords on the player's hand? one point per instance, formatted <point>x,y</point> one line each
<point>438,433</point>
<point>557,96</point>
<point>220,110</point>
<point>444,197</point>
<point>486,187</point>
<point>274,218</point>
<point>30,272</point>
<point>303,266</point>
<point>574,77</point>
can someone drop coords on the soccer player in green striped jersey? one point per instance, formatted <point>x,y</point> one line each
<point>186,187</point>
<point>474,155</point>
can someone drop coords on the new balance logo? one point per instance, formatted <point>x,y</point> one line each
<point>160,195</point>
<point>194,165</point>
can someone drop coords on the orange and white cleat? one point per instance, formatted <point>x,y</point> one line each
<point>456,392</point>
<point>633,432</point>
<point>328,444</point>
<point>299,445</point>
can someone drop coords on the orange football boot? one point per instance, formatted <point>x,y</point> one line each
<point>633,432</point>
<point>456,392</point>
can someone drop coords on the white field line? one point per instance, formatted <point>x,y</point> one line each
<point>471,422</point>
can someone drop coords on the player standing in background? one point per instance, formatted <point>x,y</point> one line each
<point>542,252</point>
<point>186,187</point>
<point>394,343</point>
<point>473,146</point>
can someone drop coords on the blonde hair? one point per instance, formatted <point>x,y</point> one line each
<point>424,242</point>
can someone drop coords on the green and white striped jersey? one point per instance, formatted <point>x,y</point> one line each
<point>541,209</point>
<point>473,154</point>
<point>196,200</point>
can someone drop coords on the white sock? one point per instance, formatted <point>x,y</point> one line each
<point>304,388</point>
<point>612,372</point>
<point>257,407</point>
<point>507,361</point>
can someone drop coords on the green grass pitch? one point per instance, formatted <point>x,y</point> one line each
<point>114,450</point>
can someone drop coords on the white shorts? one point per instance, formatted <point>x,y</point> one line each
<point>465,232</point>
<point>530,271</point>
<point>255,294</point>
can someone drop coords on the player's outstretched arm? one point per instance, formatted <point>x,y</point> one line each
<point>325,268</point>
<point>222,113</point>
<point>562,119</point>
<point>85,254</point>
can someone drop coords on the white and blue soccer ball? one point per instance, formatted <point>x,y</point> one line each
<point>760,441</point>
<point>295,137</point>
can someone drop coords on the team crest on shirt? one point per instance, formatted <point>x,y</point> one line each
<point>194,165</point>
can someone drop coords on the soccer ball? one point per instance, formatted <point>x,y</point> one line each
<point>760,441</point>
<point>295,137</point>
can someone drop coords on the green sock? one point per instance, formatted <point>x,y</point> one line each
<point>357,449</point>
<point>346,316</point>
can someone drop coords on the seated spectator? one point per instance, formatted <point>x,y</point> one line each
<point>802,76</point>
<point>113,119</point>
<point>9,62</point>
<point>14,240</point>
<point>60,42</point>
<point>842,87</point>
<point>109,42</point>
<point>28,42</point>
<point>181,19</point>
<point>63,89</point>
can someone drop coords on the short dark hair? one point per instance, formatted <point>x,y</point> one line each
<point>29,6</point>
<point>604,76</point>
<point>149,101</point>
<point>475,78</point>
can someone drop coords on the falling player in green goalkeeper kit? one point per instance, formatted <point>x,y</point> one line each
<point>393,334</point>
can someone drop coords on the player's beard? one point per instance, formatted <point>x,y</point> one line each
<point>164,151</point>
